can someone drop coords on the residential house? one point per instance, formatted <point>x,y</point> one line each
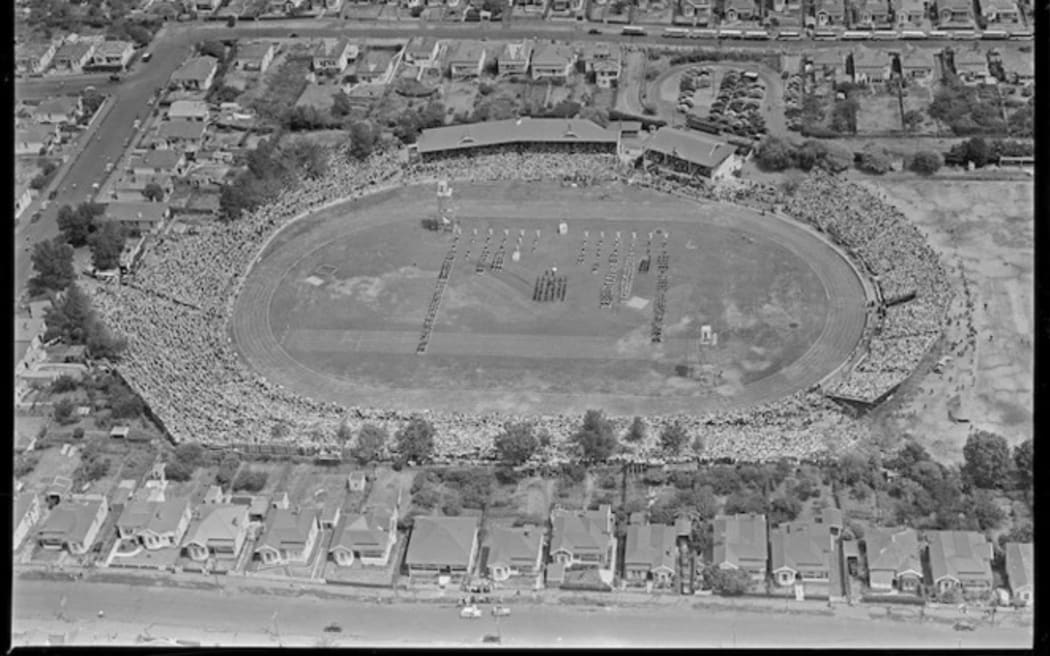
<point>788,13</point>
<point>829,13</point>
<point>741,542</point>
<point>910,14</point>
<point>829,64</point>
<point>196,73</point>
<point>871,14</point>
<point>34,138</point>
<point>289,537</point>
<point>74,524</point>
<point>801,553</point>
<point>1020,557</point>
<point>356,481</point>
<point>215,496</point>
<point>63,109</point>
<point>422,51</point>
<point>893,557</point>
<point>143,216</point>
<point>694,12</point>
<point>132,188</point>
<point>583,538</point>
<point>254,56</point>
<point>368,537</point>
<point>606,73</point>
<point>113,54</point>
<point>513,552</point>
<point>158,162</point>
<point>959,560</point>
<point>334,55</point>
<point>650,554</point>
<point>28,511</point>
<point>155,524</point>
<point>515,57</point>
<point>206,6</point>
<point>442,545</point>
<point>466,59</point>
<point>971,65</point>
<point>870,65</point>
<point>955,13</point>
<point>180,133</point>
<point>917,64</point>
<point>192,110</point>
<point>1000,13</point>
<point>34,58</point>
<point>741,11</point>
<point>689,153</point>
<point>552,61</point>
<point>595,53</point>
<point>73,56</point>
<point>377,66</point>
<point>29,333</point>
<point>217,530</point>
<point>258,507</point>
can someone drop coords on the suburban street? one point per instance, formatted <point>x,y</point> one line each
<point>259,618</point>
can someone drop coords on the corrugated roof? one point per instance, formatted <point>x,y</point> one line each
<point>1020,557</point>
<point>690,146</point>
<point>739,539</point>
<point>287,528</point>
<point>955,553</point>
<point>894,549</point>
<point>442,541</point>
<point>510,545</point>
<point>652,545</point>
<point>523,130</point>
<point>195,68</point>
<point>217,522</point>
<point>135,211</point>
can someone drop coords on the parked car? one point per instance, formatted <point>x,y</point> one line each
<point>333,628</point>
<point>148,56</point>
<point>964,625</point>
<point>470,613</point>
<point>35,217</point>
<point>114,77</point>
<point>500,611</point>
<point>53,194</point>
<point>594,30</point>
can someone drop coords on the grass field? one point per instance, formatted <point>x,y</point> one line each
<point>336,308</point>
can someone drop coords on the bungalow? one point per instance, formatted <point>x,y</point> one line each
<point>377,66</point>
<point>870,65</point>
<point>193,110</point>
<point>593,53</point>
<point>466,59</point>
<point>74,524</point>
<point>971,65</point>
<point>113,54</point>
<point>196,74</point>
<point>63,109</point>
<point>333,55</point>
<point>955,13</point>
<point>740,542</point>
<point>255,57</point>
<point>606,73</point>
<point>959,560</point>
<point>893,559</point>
<point>740,10</point>
<point>181,133</point>
<point>289,537</point>
<point>368,537</point>
<point>917,64</point>
<point>515,57</point>
<point>552,61</point>
<point>28,511</point>
<point>650,554</point>
<point>801,552</point>
<point>829,13</point>
<point>513,552</point>
<point>33,58</point>
<point>442,545</point>
<point>217,530</point>
<point>158,162</point>
<point>155,524</point>
<point>1020,557</point>
<point>691,154</point>
<point>34,138</point>
<point>871,14</point>
<point>132,189</point>
<point>910,13</point>
<point>73,56</point>
<point>829,64</point>
<point>422,51</point>
<point>583,539</point>
<point>694,12</point>
<point>998,13</point>
<point>143,216</point>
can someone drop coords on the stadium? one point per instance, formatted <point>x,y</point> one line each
<point>529,270</point>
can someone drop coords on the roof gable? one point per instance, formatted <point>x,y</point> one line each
<point>442,541</point>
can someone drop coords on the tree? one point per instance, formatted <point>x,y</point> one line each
<point>250,480</point>
<point>774,154</point>
<point>371,440</point>
<point>415,440</point>
<point>178,471</point>
<point>516,444</point>
<point>844,116</point>
<point>225,94</point>
<point>213,49</point>
<point>363,138</point>
<point>63,412</point>
<point>124,403</point>
<point>594,439</point>
<point>926,162</point>
<point>227,471</point>
<point>784,509</point>
<point>724,479</point>
<point>727,582</point>
<point>106,246</point>
<point>190,453</point>
<point>341,105</point>
<point>673,438</point>
<point>912,119</point>
<point>836,159</point>
<point>53,265</point>
<point>698,446</point>
<point>985,510</point>
<point>1024,464</point>
<point>702,501</point>
<point>874,160</point>
<point>153,192</point>
<point>987,458</point>
<point>63,384</point>
<point>69,317</point>
<point>747,504</point>
<point>636,432</point>
<point>974,150</point>
<point>77,223</point>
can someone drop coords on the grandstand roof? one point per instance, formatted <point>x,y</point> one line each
<point>690,146</point>
<point>523,130</point>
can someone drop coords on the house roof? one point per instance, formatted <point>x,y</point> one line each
<point>196,68</point>
<point>370,528</point>
<point>333,48</point>
<point>113,48</point>
<point>216,522</point>
<point>253,50</point>
<point>23,503</point>
<point>375,61</point>
<point>517,51</point>
<point>26,328</point>
<point>909,6</point>
<point>33,133</point>
<point>442,541</point>
<point>421,46</point>
<point>259,505</point>
<point>1000,6</point>
<point>1019,559</point>
<point>955,553</point>
<point>133,183</point>
<point>71,520</point>
<point>188,108</point>
<point>828,57</point>
<point>690,146</point>
<point>74,50</point>
<point>60,105</point>
<point>652,545</point>
<point>579,531</point>
<point>542,130</point>
<point>739,538</point>
<point>552,54</point>
<point>165,160</point>
<point>870,58</point>
<point>466,52</point>
<point>287,528</point>
<point>132,211</point>
<point>600,49</point>
<point>954,5</point>
<point>741,5</point>
<point>508,545</point>
<point>970,58</point>
<point>917,58</point>
<point>831,7</point>
<point>35,50</point>
<point>154,516</point>
<point>181,128</point>
<point>799,545</point>
<point>894,549</point>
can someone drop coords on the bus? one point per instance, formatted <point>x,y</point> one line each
<point>756,35</point>
<point>1021,34</point>
<point>789,35</point>
<point>884,35</point>
<point>913,34</point>
<point>826,35</point>
<point>632,30</point>
<point>937,34</point>
<point>851,35</point>
<point>704,34</point>
<point>995,35</point>
<point>964,35</point>
<point>676,32</point>
<point>730,34</point>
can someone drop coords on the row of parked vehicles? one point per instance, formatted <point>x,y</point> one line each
<point>737,108</point>
<point>834,35</point>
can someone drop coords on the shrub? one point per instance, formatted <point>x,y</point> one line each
<point>178,471</point>
<point>727,582</point>
<point>573,473</point>
<point>25,463</point>
<point>227,472</point>
<point>874,160</point>
<point>774,154</point>
<point>608,481</point>
<point>78,433</point>
<point>64,412</point>
<point>427,498</point>
<point>63,384</point>
<point>451,508</point>
<point>250,481</point>
<point>926,162</point>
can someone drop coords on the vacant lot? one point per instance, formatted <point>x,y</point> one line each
<point>880,112</point>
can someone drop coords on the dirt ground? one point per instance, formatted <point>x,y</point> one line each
<point>984,231</point>
<point>881,112</point>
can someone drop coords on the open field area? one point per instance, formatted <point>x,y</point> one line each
<point>337,305</point>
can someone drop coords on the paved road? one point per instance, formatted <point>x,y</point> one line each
<point>223,617</point>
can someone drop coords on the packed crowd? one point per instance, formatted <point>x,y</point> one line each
<point>183,364</point>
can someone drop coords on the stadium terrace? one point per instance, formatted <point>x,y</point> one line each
<point>479,137</point>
